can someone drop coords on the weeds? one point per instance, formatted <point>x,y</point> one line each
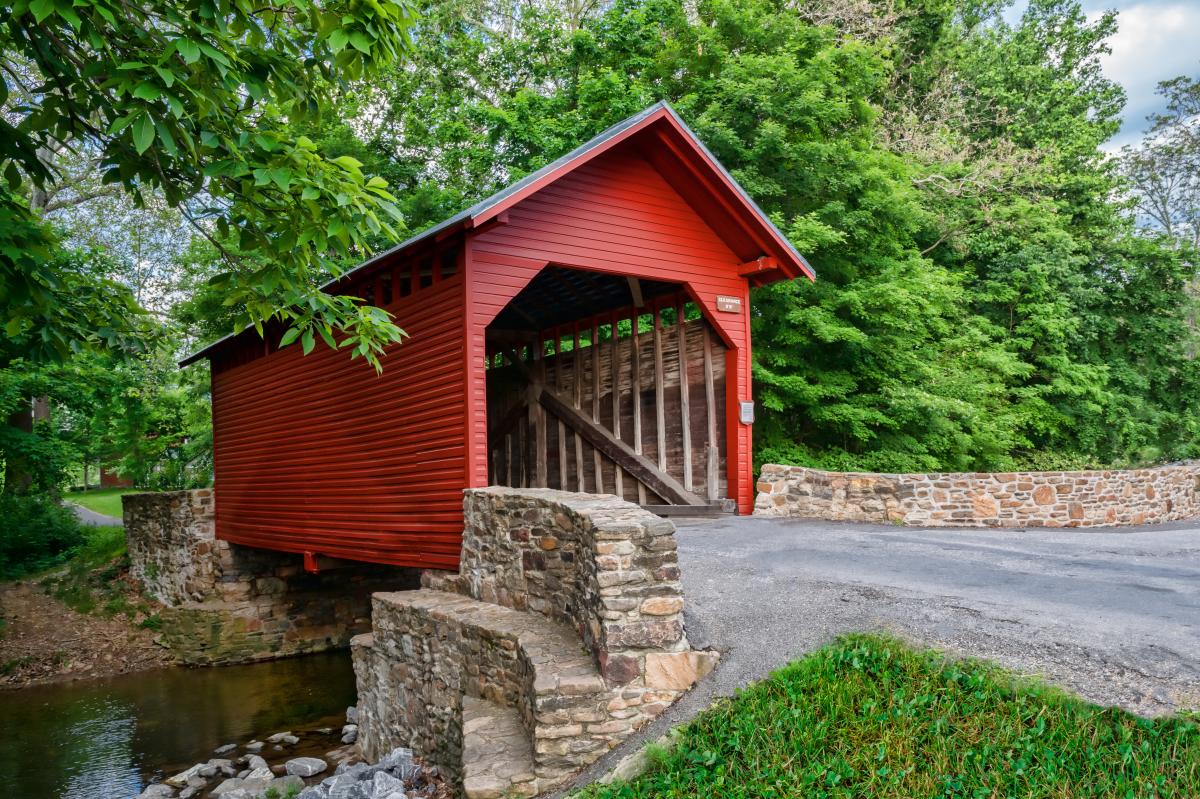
<point>9,666</point>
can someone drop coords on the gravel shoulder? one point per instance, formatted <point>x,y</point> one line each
<point>1112,615</point>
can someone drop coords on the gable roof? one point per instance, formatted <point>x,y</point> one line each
<point>784,258</point>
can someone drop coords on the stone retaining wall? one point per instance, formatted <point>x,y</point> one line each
<point>226,603</point>
<point>567,608</point>
<point>1014,499</point>
<point>599,564</point>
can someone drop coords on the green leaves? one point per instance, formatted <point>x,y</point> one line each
<point>143,133</point>
<point>200,104</point>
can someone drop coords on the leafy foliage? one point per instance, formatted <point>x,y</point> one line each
<point>868,716</point>
<point>36,533</point>
<point>193,99</point>
<point>982,301</point>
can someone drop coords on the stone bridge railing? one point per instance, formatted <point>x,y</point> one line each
<point>984,499</point>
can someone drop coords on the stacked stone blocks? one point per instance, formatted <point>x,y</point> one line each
<point>1093,498</point>
<point>567,607</point>
<point>224,603</point>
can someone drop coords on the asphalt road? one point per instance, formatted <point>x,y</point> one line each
<point>94,519</point>
<point>1111,614</point>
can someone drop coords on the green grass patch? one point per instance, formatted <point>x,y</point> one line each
<point>100,545</point>
<point>101,500</point>
<point>89,580</point>
<point>870,717</point>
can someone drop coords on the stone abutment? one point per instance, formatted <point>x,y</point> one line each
<point>560,635</point>
<point>225,603</point>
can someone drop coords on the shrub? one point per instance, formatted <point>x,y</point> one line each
<point>36,532</point>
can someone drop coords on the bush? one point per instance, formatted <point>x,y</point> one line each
<point>36,532</point>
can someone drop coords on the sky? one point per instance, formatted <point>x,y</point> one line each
<point>1156,40</point>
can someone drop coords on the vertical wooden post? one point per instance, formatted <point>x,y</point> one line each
<point>685,413</point>
<point>618,482</point>
<point>538,414</point>
<point>660,390</point>
<point>635,355</point>
<point>710,412</point>
<point>508,451</point>
<point>577,367</point>
<point>562,428</point>
<point>596,400</point>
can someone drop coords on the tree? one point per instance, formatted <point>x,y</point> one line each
<point>1163,171</point>
<point>193,99</point>
<point>980,302</point>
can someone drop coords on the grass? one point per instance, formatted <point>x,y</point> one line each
<point>88,582</point>
<point>870,717</point>
<point>101,500</point>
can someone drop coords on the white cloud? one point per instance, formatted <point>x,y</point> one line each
<point>1154,42</point>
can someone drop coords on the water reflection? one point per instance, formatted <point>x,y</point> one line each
<point>103,739</point>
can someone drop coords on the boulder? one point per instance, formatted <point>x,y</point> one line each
<point>263,775</point>
<point>224,750</point>
<point>281,785</point>
<point>228,786</point>
<point>181,779</point>
<point>339,787</point>
<point>350,733</point>
<point>157,791</point>
<point>254,762</point>
<point>254,746</point>
<point>277,737</point>
<point>381,786</point>
<point>352,715</point>
<point>306,766</point>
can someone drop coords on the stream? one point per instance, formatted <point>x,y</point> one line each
<point>105,739</point>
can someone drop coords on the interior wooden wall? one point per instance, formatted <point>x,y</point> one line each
<point>532,448</point>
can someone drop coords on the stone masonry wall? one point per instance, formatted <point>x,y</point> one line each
<point>226,603</point>
<point>599,564</point>
<point>567,609</point>
<point>1014,499</point>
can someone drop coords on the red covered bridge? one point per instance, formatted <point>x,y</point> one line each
<point>586,328</point>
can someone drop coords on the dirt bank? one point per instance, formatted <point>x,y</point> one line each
<point>42,640</point>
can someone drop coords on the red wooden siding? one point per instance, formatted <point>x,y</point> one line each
<point>318,453</point>
<point>614,214</point>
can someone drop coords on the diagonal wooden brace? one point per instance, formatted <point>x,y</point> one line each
<point>637,466</point>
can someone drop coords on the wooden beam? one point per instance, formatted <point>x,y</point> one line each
<point>578,369</point>
<point>635,291</point>
<point>710,412</point>
<point>508,421</point>
<point>562,428</point>
<point>660,410</point>
<point>635,356</point>
<point>685,412</point>
<point>618,481</point>
<point>619,452</point>
<point>538,419</point>
<point>763,263</point>
<point>596,402</point>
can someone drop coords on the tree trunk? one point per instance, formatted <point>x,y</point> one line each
<point>17,473</point>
